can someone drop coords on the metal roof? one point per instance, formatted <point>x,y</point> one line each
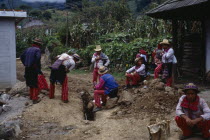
<point>13,13</point>
<point>175,5</point>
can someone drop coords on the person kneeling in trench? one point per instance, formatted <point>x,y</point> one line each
<point>106,88</point>
<point>192,113</point>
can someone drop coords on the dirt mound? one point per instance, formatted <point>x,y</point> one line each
<point>153,99</point>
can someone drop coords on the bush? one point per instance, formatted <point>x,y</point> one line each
<point>20,47</point>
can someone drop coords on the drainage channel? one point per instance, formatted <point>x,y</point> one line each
<point>88,106</point>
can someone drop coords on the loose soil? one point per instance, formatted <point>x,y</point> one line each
<point>51,119</point>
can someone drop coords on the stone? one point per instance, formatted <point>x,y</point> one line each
<point>180,92</point>
<point>111,103</point>
<point>5,97</point>
<point>2,103</point>
<point>19,87</point>
<point>136,91</point>
<point>17,95</point>
<point>160,86</point>
<point>1,110</point>
<point>171,93</point>
<point>168,89</point>
<point>145,82</point>
<point>126,98</point>
<point>10,129</point>
<point>26,104</point>
<point>154,82</point>
<point>144,90</point>
<point>120,113</point>
<point>6,108</point>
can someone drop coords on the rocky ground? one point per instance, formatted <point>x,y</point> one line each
<point>126,119</point>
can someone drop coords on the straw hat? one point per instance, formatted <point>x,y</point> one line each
<point>191,86</point>
<point>76,56</point>
<point>38,40</point>
<point>98,48</point>
<point>102,70</point>
<point>165,42</point>
<point>137,59</point>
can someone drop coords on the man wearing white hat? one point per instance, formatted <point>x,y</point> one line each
<point>168,59</point>
<point>99,59</point>
<point>59,71</point>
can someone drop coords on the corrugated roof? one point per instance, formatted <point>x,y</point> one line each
<point>175,4</point>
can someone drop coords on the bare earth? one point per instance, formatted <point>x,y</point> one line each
<point>51,119</point>
<point>54,120</point>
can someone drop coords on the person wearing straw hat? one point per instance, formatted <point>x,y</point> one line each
<point>98,59</point>
<point>135,74</point>
<point>168,59</point>
<point>59,70</point>
<point>31,59</point>
<point>192,113</point>
<point>107,87</point>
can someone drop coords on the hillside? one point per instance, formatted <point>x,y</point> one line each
<point>46,4</point>
<point>136,6</point>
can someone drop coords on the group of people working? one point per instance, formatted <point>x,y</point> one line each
<point>192,112</point>
<point>31,59</point>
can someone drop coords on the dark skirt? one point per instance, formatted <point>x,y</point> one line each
<point>58,75</point>
<point>169,68</point>
<point>31,76</point>
<point>113,93</point>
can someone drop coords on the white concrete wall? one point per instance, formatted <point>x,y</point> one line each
<point>7,53</point>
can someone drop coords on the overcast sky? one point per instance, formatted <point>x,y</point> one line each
<point>61,1</point>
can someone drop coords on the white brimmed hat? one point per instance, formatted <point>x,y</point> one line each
<point>103,70</point>
<point>38,40</point>
<point>76,56</point>
<point>98,48</point>
<point>165,42</point>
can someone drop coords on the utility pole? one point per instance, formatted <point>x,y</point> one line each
<point>67,31</point>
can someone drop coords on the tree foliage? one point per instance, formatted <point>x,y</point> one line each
<point>47,15</point>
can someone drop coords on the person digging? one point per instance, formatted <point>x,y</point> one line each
<point>106,88</point>
<point>192,113</point>
<point>59,70</point>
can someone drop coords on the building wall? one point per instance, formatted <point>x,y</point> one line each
<point>7,53</point>
<point>207,23</point>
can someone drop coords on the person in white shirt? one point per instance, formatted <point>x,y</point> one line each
<point>99,59</point>
<point>192,113</point>
<point>168,59</point>
<point>135,74</point>
<point>59,70</point>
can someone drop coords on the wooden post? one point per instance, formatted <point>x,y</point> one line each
<point>203,49</point>
<point>175,47</point>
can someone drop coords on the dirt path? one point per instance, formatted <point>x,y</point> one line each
<point>52,119</point>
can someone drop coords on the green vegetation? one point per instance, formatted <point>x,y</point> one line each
<point>108,23</point>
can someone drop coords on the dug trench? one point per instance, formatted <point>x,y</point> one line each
<point>126,119</point>
<point>88,106</point>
